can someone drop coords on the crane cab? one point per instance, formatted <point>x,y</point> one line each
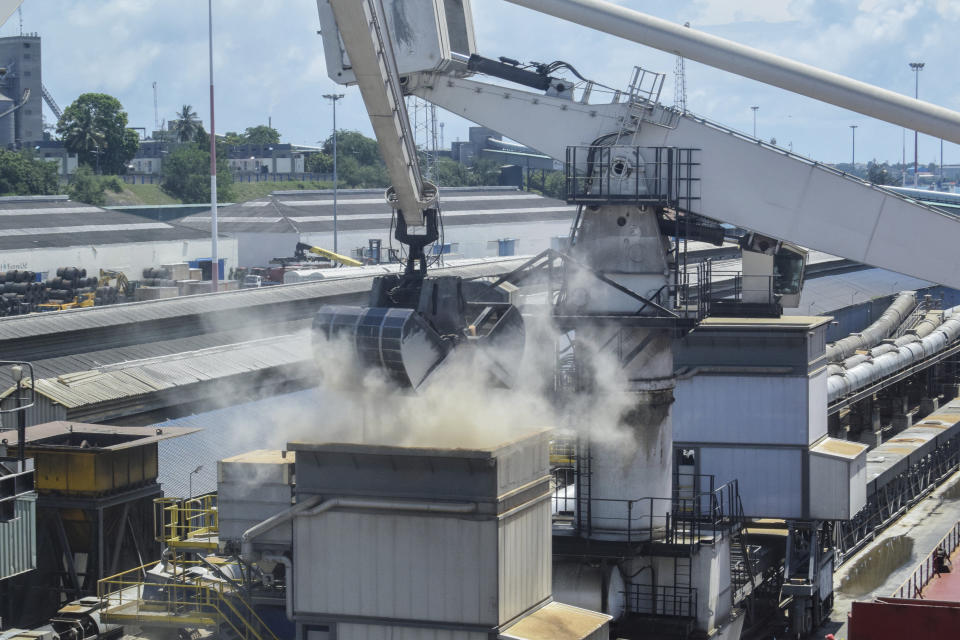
<point>427,35</point>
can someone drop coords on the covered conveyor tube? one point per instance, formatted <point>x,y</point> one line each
<point>895,315</point>
<point>904,352</point>
<point>752,63</point>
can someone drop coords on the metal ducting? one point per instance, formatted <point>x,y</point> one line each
<point>886,324</point>
<point>903,352</point>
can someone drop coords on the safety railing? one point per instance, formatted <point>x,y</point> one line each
<point>652,175</point>
<point>926,570</point>
<point>192,521</point>
<point>179,600</point>
<point>662,600</point>
<point>895,496</point>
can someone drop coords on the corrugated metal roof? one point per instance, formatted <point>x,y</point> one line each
<point>233,430</point>
<point>362,209</point>
<point>141,377</point>
<point>824,295</point>
<point>33,326</point>
<point>29,223</point>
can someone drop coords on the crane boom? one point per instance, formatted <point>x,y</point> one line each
<point>739,180</point>
<point>825,86</point>
<point>7,7</point>
<point>371,54</point>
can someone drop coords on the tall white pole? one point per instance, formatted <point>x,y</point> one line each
<point>916,66</point>
<point>333,97</point>
<point>853,145</point>
<point>214,258</point>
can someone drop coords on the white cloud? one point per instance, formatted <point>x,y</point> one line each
<point>714,12</point>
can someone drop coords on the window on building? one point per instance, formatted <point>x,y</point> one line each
<point>26,45</point>
<point>149,166</point>
<point>27,74</point>
<point>26,56</point>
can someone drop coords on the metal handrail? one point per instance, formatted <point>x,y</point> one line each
<point>177,519</point>
<point>662,600</point>
<point>913,586</point>
<point>201,598</point>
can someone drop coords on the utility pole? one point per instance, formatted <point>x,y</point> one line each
<point>214,258</point>
<point>333,97</point>
<point>917,67</point>
<point>853,143</point>
<point>156,109</point>
<point>755,108</point>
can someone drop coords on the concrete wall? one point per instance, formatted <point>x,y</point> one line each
<point>132,258</point>
<point>475,241</point>
<point>257,249</point>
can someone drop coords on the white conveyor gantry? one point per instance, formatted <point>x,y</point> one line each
<point>825,86</point>
<point>366,40</point>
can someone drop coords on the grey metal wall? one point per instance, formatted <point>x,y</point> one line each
<point>18,539</point>
<point>770,478</point>
<point>43,411</point>
<point>715,408</point>
<point>397,566</point>
<point>526,572</point>
<point>380,632</point>
<point>838,486</point>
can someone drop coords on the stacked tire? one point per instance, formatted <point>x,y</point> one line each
<point>20,292</point>
<point>105,295</point>
<point>154,277</point>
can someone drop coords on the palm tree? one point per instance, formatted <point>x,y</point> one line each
<point>82,133</point>
<point>187,124</point>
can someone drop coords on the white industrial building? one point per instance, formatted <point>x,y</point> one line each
<point>513,222</point>
<point>43,233</point>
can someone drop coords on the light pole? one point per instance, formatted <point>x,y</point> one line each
<point>190,480</point>
<point>917,67</point>
<point>853,144</point>
<point>214,258</point>
<point>16,371</point>
<point>333,97</point>
<point>755,108</point>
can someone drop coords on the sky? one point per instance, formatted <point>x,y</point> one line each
<point>269,65</point>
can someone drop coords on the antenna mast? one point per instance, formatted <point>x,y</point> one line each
<point>680,82</point>
<point>156,110</point>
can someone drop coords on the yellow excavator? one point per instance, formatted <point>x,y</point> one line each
<point>122,284</point>
<point>303,249</point>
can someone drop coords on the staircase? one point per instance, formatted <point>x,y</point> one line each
<point>179,598</point>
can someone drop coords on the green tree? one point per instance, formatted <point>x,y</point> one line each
<point>261,134</point>
<point>232,138</point>
<point>95,128</point>
<point>186,124</point>
<point>318,163</point>
<point>22,175</point>
<point>365,150</point>
<point>87,187</point>
<point>186,175</point>
<point>485,172</point>
<point>451,173</point>
<point>879,174</point>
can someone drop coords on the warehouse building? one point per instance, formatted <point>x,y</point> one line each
<point>43,233</point>
<point>513,222</point>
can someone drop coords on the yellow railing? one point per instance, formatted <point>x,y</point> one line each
<point>186,522</point>
<point>199,602</point>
